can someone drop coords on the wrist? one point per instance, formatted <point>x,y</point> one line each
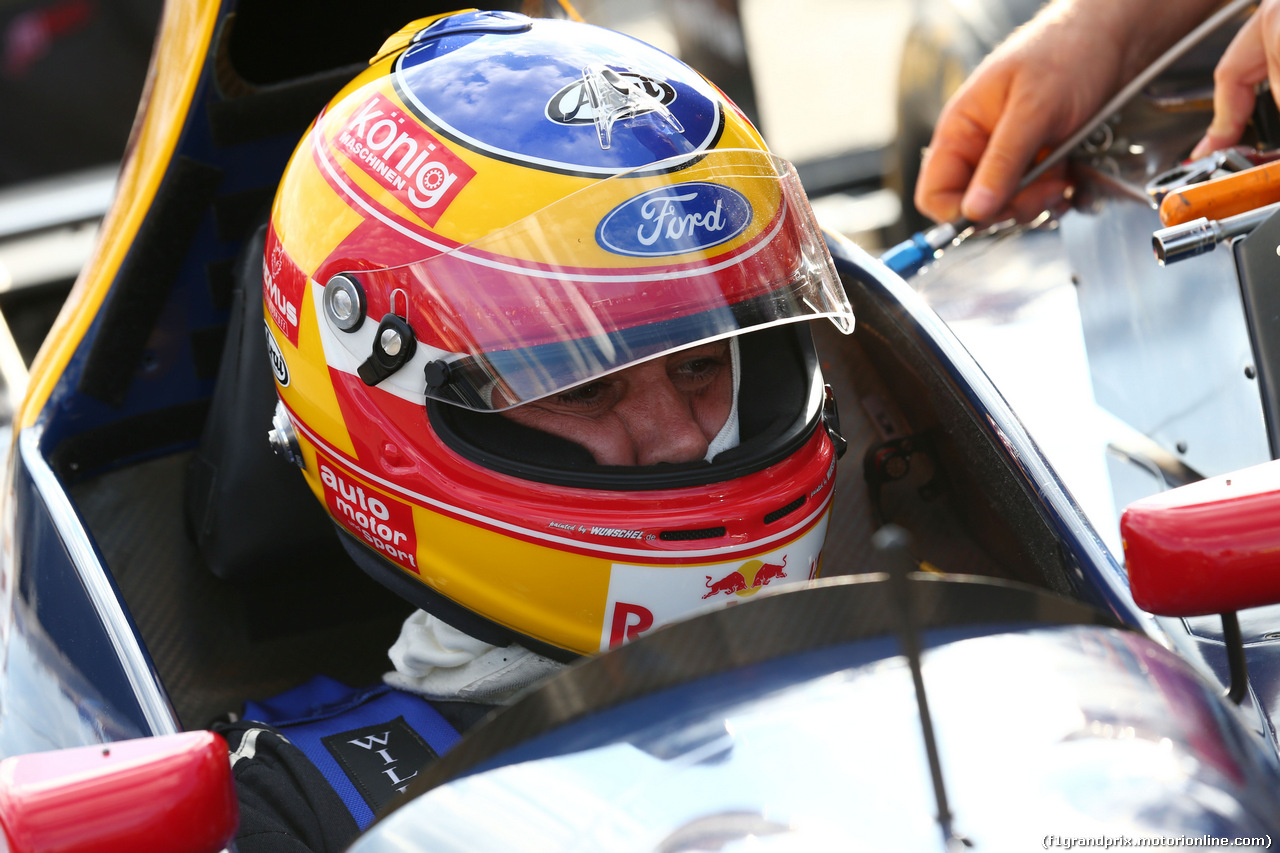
<point>1138,31</point>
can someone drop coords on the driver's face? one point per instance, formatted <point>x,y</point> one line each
<point>664,410</point>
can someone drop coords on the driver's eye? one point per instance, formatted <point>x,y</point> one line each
<point>584,395</point>
<point>697,371</point>
<point>699,366</point>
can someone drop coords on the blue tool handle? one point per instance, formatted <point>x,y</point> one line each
<point>910,256</point>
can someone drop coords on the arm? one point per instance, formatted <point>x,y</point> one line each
<point>1032,92</point>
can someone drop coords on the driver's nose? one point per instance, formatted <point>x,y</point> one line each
<point>662,423</point>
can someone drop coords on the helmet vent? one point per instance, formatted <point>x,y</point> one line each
<point>687,535</point>
<point>785,510</point>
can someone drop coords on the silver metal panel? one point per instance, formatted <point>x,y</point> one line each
<point>1011,302</point>
<point>1168,346</point>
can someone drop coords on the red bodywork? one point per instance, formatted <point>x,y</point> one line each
<point>171,793</point>
<point>1210,547</point>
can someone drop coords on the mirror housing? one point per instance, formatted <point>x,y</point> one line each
<point>173,793</point>
<point>1208,547</point>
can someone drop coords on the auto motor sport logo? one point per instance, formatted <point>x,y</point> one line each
<point>381,521</point>
<point>393,148</point>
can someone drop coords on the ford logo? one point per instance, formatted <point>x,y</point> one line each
<point>674,220</point>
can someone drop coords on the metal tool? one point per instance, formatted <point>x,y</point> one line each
<point>1189,239</point>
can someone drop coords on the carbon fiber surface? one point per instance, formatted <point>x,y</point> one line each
<point>214,643</point>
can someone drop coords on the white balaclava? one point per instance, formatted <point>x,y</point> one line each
<point>728,436</point>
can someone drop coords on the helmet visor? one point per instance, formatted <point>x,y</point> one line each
<point>627,269</point>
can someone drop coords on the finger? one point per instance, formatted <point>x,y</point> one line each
<point>1047,193</point>
<point>1242,67</point>
<point>1019,133</point>
<point>956,147</point>
<point>1050,192</point>
<point>944,176</point>
<point>1268,16</point>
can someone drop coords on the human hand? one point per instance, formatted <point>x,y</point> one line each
<point>1033,91</point>
<point>1037,89</point>
<point>1252,56</point>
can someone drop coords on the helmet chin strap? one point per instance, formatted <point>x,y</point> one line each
<point>728,437</point>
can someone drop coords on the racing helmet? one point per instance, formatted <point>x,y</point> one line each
<point>497,211</point>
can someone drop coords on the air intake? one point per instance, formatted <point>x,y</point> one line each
<point>786,510</point>
<point>689,535</point>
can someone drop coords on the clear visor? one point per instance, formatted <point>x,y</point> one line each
<point>628,269</point>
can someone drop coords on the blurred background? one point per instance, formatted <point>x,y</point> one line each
<point>846,89</point>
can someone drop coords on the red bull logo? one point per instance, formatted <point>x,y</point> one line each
<point>643,598</point>
<point>748,578</point>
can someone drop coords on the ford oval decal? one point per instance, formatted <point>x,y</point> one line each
<point>674,220</point>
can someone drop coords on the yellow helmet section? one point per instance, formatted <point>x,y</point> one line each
<point>475,154</point>
<point>381,147</point>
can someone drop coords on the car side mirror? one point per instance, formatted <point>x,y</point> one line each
<point>1208,547</point>
<point>173,792</point>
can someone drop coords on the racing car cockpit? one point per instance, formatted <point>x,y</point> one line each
<point>213,505</point>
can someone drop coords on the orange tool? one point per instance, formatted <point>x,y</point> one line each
<point>1219,198</point>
